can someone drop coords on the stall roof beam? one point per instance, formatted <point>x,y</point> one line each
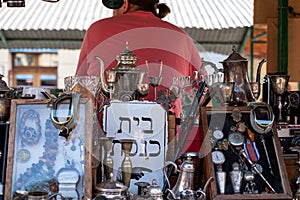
<point>3,39</point>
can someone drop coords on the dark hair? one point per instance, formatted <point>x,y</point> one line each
<point>150,5</point>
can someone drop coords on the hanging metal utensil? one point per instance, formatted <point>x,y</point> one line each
<point>262,119</point>
<point>186,126</point>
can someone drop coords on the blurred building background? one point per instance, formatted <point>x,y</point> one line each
<point>40,43</point>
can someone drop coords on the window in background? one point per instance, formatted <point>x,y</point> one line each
<point>24,79</point>
<point>35,69</point>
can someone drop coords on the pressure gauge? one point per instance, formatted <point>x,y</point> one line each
<point>218,157</point>
<point>236,139</point>
<point>218,134</point>
<point>294,99</point>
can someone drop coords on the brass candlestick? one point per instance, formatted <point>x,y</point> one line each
<point>108,162</point>
<point>126,163</point>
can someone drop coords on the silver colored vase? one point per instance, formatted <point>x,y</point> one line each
<point>236,177</point>
<point>221,180</point>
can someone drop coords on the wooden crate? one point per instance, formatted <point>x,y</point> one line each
<point>31,170</point>
<point>221,118</point>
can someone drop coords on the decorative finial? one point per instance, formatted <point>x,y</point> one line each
<point>127,50</point>
<point>234,48</point>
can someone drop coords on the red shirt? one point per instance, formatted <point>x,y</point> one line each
<point>149,37</point>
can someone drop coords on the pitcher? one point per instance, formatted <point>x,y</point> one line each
<point>185,179</point>
<point>235,70</point>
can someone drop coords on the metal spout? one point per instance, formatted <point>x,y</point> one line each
<point>104,85</point>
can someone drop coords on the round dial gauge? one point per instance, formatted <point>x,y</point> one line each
<point>294,99</point>
<point>218,134</point>
<point>236,139</point>
<point>218,157</point>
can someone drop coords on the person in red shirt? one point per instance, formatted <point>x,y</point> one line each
<point>139,23</point>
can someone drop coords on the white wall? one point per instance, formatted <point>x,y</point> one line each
<point>67,62</point>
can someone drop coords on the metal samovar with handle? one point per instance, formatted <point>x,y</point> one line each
<point>125,81</point>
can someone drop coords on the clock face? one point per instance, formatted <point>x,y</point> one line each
<point>294,99</point>
<point>218,157</point>
<point>236,139</point>
<point>218,134</point>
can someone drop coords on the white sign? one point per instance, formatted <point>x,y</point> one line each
<point>146,123</point>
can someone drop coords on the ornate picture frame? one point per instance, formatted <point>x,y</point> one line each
<point>38,158</point>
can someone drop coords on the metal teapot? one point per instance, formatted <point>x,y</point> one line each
<point>183,188</point>
<point>111,190</point>
<point>148,192</point>
<point>124,82</point>
<point>235,70</point>
<point>155,191</point>
<point>185,179</point>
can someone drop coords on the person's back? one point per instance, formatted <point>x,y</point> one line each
<point>149,37</point>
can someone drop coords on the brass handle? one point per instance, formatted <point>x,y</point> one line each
<point>66,126</point>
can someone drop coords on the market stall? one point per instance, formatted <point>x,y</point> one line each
<point>106,137</point>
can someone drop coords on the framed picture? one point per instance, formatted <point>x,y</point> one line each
<point>40,160</point>
<point>244,163</point>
